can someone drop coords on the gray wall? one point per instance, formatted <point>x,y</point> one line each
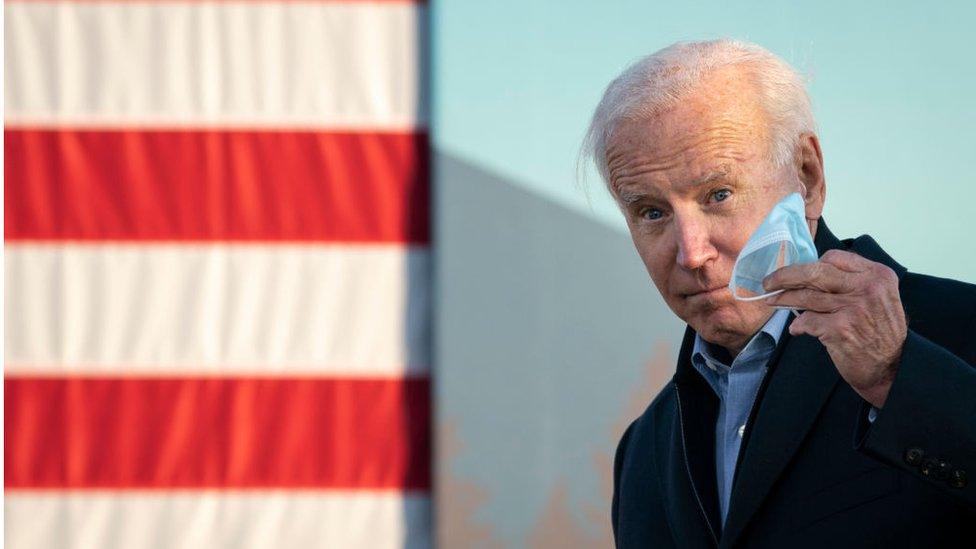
<point>549,339</point>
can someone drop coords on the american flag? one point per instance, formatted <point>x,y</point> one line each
<point>217,274</point>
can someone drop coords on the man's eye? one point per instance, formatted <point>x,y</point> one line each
<point>651,214</point>
<point>721,195</point>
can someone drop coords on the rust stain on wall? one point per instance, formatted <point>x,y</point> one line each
<point>458,500</point>
<point>557,526</point>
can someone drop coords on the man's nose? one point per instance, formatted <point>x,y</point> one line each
<point>694,244</point>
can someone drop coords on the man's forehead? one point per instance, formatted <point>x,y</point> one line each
<point>682,127</point>
<point>724,105</point>
<point>635,191</point>
<point>685,147</point>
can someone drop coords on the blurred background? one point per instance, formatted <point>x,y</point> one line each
<point>323,274</point>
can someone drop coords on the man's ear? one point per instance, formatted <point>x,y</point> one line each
<point>810,169</point>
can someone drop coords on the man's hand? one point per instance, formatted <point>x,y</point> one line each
<point>852,306</point>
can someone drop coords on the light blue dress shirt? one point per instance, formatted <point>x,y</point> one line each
<point>736,387</point>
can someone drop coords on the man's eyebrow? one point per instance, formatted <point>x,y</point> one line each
<point>722,173</point>
<point>630,197</point>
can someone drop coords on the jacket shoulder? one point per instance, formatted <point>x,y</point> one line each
<point>940,309</point>
<point>663,402</point>
<point>638,506</point>
<point>657,414</point>
<point>639,438</point>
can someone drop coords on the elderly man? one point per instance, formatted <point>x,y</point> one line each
<point>849,424</point>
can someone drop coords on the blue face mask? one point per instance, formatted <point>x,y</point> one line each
<point>782,239</point>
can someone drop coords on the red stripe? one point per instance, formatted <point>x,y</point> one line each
<point>220,433</point>
<point>421,2</point>
<point>149,185</point>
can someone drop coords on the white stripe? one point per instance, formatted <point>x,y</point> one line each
<point>212,519</point>
<point>172,309</point>
<point>254,64</point>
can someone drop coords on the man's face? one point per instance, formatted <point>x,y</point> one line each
<point>694,183</point>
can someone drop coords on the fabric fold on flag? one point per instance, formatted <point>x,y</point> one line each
<point>218,262</point>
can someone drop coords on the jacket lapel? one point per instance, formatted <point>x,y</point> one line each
<point>800,379</point>
<point>798,387</point>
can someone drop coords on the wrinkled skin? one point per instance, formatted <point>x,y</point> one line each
<point>853,307</point>
<point>693,183</point>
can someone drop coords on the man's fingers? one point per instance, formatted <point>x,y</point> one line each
<point>846,261</point>
<point>808,300</point>
<point>818,276</point>
<point>810,323</point>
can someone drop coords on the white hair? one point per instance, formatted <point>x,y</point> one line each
<point>660,80</point>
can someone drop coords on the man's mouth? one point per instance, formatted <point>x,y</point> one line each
<point>707,292</point>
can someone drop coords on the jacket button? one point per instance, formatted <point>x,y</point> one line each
<point>929,467</point>
<point>913,456</point>
<point>958,479</point>
<point>943,470</point>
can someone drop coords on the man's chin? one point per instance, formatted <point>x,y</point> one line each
<point>717,322</point>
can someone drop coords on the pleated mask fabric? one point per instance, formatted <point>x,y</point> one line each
<point>782,239</point>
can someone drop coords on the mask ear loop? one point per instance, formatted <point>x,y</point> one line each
<point>757,297</point>
<point>794,310</point>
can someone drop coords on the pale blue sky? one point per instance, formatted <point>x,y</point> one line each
<point>893,86</point>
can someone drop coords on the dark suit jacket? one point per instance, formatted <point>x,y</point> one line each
<point>812,471</point>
